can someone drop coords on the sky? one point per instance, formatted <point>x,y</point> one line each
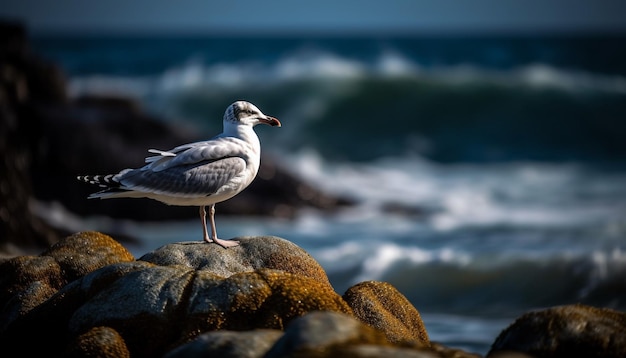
<point>331,16</point>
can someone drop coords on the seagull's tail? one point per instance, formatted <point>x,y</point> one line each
<point>107,182</point>
<point>103,181</point>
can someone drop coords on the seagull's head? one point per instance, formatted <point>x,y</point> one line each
<point>242,112</point>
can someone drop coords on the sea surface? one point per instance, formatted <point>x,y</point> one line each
<point>489,172</point>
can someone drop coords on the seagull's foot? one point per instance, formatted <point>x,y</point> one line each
<point>225,243</point>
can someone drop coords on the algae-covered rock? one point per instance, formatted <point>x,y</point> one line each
<point>158,307</point>
<point>100,342</point>
<point>27,281</point>
<point>566,331</point>
<point>84,252</point>
<point>383,307</point>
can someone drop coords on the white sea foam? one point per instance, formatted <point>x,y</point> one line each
<point>469,195</point>
<point>387,255</point>
<point>392,63</point>
<point>317,65</point>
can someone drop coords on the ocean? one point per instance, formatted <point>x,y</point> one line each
<point>489,172</point>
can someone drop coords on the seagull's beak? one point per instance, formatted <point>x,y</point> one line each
<point>274,122</point>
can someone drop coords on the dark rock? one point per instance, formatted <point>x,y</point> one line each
<point>566,331</point>
<point>253,253</point>
<point>446,352</point>
<point>228,344</point>
<point>376,351</point>
<point>98,342</point>
<point>316,334</point>
<point>84,252</point>
<point>332,334</point>
<point>98,136</point>
<point>32,78</point>
<point>177,302</point>
<point>155,308</point>
<point>383,307</point>
<point>324,334</point>
<point>25,80</point>
<point>27,281</point>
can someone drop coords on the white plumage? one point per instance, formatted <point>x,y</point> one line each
<point>196,174</point>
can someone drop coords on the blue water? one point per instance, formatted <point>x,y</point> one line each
<point>489,173</point>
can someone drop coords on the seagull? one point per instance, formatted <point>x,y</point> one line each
<point>196,174</point>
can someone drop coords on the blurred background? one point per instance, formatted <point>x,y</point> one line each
<point>470,153</point>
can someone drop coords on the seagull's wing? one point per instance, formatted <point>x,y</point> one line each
<point>217,148</point>
<point>194,169</point>
<point>203,178</point>
<point>163,155</point>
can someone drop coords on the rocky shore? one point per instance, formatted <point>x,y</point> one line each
<point>88,296</point>
<point>84,294</point>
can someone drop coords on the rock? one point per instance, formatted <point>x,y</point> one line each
<point>155,308</point>
<point>383,307</point>
<point>108,135</point>
<point>324,334</point>
<point>228,344</point>
<point>446,352</point>
<point>100,342</point>
<point>27,281</point>
<point>374,351</point>
<point>333,334</point>
<point>252,253</point>
<point>178,300</point>
<point>566,331</point>
<point>316,334</point>
<point>30,77</point>
<point>25,79</point>
<point>84,252</point>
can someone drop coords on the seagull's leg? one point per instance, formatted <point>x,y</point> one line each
<point>222,243</point>
<point>204,229</point>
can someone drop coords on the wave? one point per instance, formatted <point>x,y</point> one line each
<point>446,280</point>
<point>397,107</point>
<point>478,237</point>
<point>449,197</point>
<point>194,74</point>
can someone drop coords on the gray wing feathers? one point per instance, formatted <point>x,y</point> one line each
<point>197,179</point>
<point>192,153</point>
